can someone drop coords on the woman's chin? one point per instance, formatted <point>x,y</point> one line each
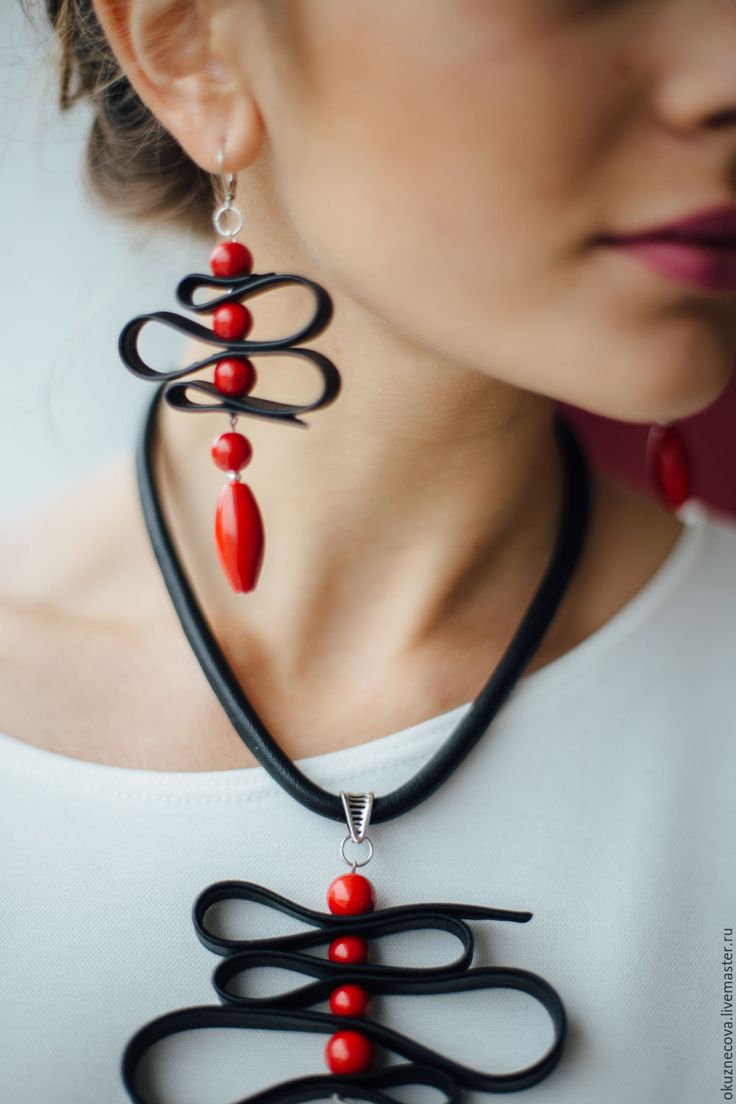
<point>667,400</point>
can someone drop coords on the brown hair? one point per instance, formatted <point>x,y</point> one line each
<point>133,165</point>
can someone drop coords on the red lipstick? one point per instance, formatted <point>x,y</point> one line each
<point>698,250</point>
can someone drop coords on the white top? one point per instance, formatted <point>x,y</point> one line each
<point>601,800</point>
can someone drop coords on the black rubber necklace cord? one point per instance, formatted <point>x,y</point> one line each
<point>474,723</point>
<point>292,1010</point>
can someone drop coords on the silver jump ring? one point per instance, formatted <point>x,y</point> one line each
<point>354,862</point>
<point>225,209</point>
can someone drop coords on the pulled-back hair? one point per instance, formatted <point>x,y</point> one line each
<point>133,165</point>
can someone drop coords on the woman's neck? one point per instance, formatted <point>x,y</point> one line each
<point>423,490</point>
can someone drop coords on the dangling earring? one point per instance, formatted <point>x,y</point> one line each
<point>239,534</point>
<point>668,464</point>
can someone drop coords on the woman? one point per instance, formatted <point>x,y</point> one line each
<point>459,176</point>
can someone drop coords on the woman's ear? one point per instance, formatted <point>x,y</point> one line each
<point>179,56</point>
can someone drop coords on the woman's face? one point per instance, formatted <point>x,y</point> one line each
<point>450,164</point>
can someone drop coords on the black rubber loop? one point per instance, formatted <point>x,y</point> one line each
<point>446,917</point>
<point>473,724</point>
<point>238,288</point>
<point>290,1011</point>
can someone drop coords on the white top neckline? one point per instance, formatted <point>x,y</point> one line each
<point>531,692</point>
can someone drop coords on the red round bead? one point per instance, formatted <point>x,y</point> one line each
<point>350,1000</point>
<point>231,451</point>
<point>231,258</point>
<point>349,1052</point>
<point>348,949</point>
<point>234,376</point>
<point>232,321</point>
<point>350,893</point>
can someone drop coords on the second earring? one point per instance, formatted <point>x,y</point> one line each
<point>668,465</point>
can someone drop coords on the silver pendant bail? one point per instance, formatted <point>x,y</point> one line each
<point>357,807</point>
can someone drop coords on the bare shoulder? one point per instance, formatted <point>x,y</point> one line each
<point>80,602</point>
<point>71,554</point>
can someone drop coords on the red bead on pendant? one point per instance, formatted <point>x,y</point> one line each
<point>668,465</point>
<point>350,1000</point>
<point>348,950</point>
<point>349,894</point>
<point>239,535</point>
<point>349,1052</point>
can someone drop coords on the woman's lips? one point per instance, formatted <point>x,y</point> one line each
<point>707,265</point>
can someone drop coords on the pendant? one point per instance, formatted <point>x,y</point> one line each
<point>347,979</point>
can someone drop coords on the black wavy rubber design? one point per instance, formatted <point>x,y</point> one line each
<point>242,714</point>
<point>238,287</point>
<point>290,1011</point>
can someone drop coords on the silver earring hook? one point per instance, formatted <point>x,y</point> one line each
<point>230,182</point>
<point>230,179</point>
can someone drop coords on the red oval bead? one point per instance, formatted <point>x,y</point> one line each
<point>669,465</point>
<point>231,320</point>
<point>231,451</point>
<point>349,1052</point>
<point>234,376</point>
<point>350,1000</point>
<point>239,535</point>
<point>349,894</point>
<point>231,258</point>
<point>348,949</point>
